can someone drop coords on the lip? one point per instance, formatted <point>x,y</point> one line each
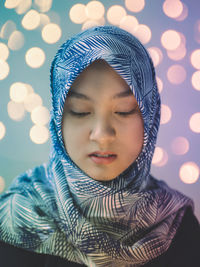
<point>101,160</point>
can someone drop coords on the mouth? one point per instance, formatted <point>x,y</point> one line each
<point>103,157</point>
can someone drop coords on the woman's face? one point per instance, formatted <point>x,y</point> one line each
<point>102,125</point>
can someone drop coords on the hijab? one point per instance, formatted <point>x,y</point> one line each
<point>58,209</point>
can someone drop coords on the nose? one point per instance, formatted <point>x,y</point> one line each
<point>102,131</point>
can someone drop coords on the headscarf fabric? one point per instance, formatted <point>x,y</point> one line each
<point>58,209</point>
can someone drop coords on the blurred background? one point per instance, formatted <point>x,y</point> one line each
<point>31,31</point>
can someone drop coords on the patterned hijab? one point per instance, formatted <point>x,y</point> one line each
<point>58,209</point>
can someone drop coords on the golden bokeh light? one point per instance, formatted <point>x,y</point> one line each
<point>172,8</point>
<point>180,145</point>
<point>158,155</point>
<point>4,69</point>
<point>2,184</point>
<point>16,40</point>
<point>43,5</point>
<point>176,74</point>
<point>2,130</point>
<point>18,92</point>
<point>159,84</point>
<point>143,33</point>
<point>166,114</point>
<point>196,80</point>
<point>195,59</point>
<point>194,122</point>
<point>11,3</point>
<point>77,13</point>
<point>135,6</point>
<point>7,29</point>
<point>170,39</point>
<point>31,20</point>
<point>178,53</point>
<point>51,33</point>
<point>40,115</point>
<point>129,23</point>
<point>4,51</point>
<point>35,57</point>
<point>16,111</point>
<point>32,101</point>
<point>189,172</point>
<point>94,10</point>
<point>23,6</point>
<point>39,134</point>
<point>115,14</point>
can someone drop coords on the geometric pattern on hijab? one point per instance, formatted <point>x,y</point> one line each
<point>58,209</point>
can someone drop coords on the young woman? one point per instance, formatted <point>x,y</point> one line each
<point>95,203</point>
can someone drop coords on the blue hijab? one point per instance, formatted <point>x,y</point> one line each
<point>58,209</point>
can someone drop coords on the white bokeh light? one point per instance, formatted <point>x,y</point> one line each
<point>40,115</point>
<point>16,111</point>
<point>4,51</point>
<point>189,172</point>
<point>184,13</point>
<point>23,6</point>
<point>135,6</point>
<point>196,80</point>
<point>43,5</point>
<point>159,84</point>
<point>2,184</point>
<point>115,14</point>
<point>143,33</point>
<point>172,8</point>
<point>180,145</point>
<point>95,10</point>
<point>129,23</point>
<point>4,69</point>
<point>7,29</point>
<point>176,74</point>
<point>11,3</point>
<point>31,20</point>
<point>170,39</point>
<point>178,53</point>
<point>16,40</point>
<point>158,155</point>
<point>2,130</point>
<point>44,20</point>
<point>18,92</point>
<point>77,13</point>
<point>166,114</point>
<point>195,59</point>
<point>32,101</point>
<point>194,122</point>
<point>90,23</point>
<point>35,57</point>
<point>51,33</point>
<point>39,134</point>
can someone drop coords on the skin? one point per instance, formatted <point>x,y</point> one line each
<point>103,124</point>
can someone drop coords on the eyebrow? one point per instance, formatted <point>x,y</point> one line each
<point>82,96</point>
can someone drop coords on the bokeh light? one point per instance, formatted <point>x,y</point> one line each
<point>90,23</point>
<point>176,74</point>
<point>135,6</point>
<point>11,3</point>
<point>35,57</point>
<point>51,33</point>
<point>2,130</point>
<point>31,20</point>
<point>194,122</point>
<point>143,33</point>
<point>177,54</point>
<point>129,23</point>
<point>39,134</point>
<point>23,6</point>
<point>195,59</point>
<point>159,84</point>
<point>158,155</point>
<point>115,14</point>
<point>44,20</point>
<point>166,114</point>
<point>40,115</point>
<point>32,101</point>
<point>43,5</point>
<point>7,29</point>
<point>172,8</point>
<point>95,10</point>
<point>77,13</point>
<point>18,92</point>
<point>16,111</point>
<point>2,184</point>
<point>163,160</point>
<point>184,13</point>
<point>170,39</point>
<point>180,145</point>
<point>196,80</point>
<point>197,31</point>
<point>4,69</point>
<point>189,172</point>
<point>4,51</point>
<point>16,40</point>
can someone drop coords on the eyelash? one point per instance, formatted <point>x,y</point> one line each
<point>83,114</point>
